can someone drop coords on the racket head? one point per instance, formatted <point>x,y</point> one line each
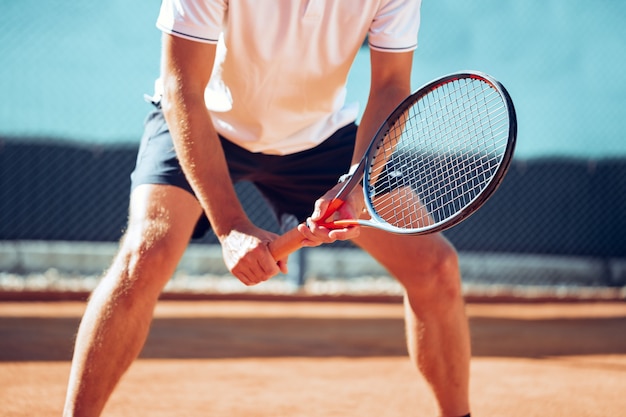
<point>440,155</point>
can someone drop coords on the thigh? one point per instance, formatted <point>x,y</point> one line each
<point>157,164</point>
<point>162,218</point>
<point>409,258</point>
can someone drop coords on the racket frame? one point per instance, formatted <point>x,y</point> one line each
<point>362,174</point>
<point>292,240</point>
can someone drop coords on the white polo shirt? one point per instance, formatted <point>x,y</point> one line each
<point>278,83</point>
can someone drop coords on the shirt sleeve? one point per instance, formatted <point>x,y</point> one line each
<point>395,26</point>
<point>202,21</point>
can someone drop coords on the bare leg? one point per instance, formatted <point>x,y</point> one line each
<point>436,326</point>
<point>118,315</point>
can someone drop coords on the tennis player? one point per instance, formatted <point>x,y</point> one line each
<point>255,91</point>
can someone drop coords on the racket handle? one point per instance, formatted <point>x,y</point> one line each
<point>292,240</point>
<point>286,244</point>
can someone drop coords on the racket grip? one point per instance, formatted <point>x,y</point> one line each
<point>286,244</point>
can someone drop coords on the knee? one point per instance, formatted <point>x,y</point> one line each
<point>438,280</point>
<point>143,261</point>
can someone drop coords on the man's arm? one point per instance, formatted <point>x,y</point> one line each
<point>390,84</point>
<point>186,69</point>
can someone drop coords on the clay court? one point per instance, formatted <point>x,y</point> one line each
<point>285,358</point>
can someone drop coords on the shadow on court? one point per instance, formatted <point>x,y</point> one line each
<point>51,338</point>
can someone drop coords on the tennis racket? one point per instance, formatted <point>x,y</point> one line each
<point>436,159</point>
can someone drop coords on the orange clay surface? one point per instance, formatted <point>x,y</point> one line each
<point>323,359</point>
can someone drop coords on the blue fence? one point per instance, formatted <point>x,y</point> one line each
<point>565,206</point>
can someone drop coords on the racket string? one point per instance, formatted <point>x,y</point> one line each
<point>439,155</point>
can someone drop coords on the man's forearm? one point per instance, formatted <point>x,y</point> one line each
<point>202,159</point>
<point>380,105</point>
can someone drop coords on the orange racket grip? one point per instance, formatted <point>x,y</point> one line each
<point>291,241</point>
<point>333,207</point>
<point>286,244</point>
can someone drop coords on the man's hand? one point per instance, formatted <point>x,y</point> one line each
<point>316,233</point>
<point>247,256</point>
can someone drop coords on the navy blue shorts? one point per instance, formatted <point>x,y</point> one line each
<point>289,183</point>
